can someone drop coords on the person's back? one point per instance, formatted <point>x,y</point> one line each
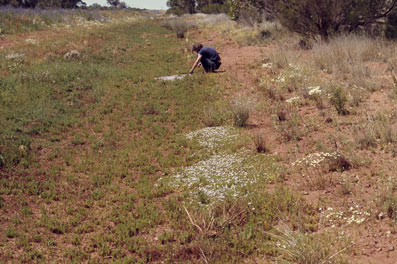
<point>210,53</point>
<point>207,56</point>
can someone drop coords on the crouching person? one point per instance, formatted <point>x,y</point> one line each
<point>207,56</point>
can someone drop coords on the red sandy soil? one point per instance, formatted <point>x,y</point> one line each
<point>375,240</point>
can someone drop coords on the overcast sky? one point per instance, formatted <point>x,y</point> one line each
<point>148,4</point>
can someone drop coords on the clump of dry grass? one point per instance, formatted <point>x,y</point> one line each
<point>393,94</point>
<point>241,108</point>
<point>280,112</point>
<point>376,129</point>
<point>346,186</point>
<point>214,115</point>
<point>290,129</point>
<point>303,248</point>
<point>284,56</point>
<point>271,91</point>
<point>257,33</point>
<point>348,59</point>
<point>343,54</point>
<point>388,199</point>
<point>260,142</point>
<point>179,25</point>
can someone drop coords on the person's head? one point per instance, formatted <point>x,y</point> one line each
<point>197,47</point>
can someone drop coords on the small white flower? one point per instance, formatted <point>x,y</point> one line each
<point>292,99</point>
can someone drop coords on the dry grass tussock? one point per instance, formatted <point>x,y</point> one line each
<point>348,60</point>
<point>179,25</point>
<point>298,247</point>
<point>241,108</point>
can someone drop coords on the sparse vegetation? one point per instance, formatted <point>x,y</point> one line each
<point>101,162</point>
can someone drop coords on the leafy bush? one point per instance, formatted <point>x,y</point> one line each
<point>391,26</point>
<point>312,18</point>
<point>215,8</point>
<point>11,233</point>
<point>339,100</point>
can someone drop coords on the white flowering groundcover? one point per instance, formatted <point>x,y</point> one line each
<point>214,137</point>
<point>316,159</point>
<point>223,174</point>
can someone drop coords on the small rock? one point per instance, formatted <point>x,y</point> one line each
<point>305,193</point>
<point>22,148</point>
<point>74,54</point>
<point>391,248</point>
<point>380,216</point>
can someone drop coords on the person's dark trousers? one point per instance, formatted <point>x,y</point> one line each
<point>209,65</point>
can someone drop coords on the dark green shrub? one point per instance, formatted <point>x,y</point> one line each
<point>339,100</point>
<point>391,26</point>
<point>11,233</point>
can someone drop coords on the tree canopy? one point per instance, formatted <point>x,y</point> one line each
<point>193,6</point>
<point>323,18</point>
<point>42,3</point>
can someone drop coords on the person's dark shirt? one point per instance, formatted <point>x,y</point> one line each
<point>209,53</point>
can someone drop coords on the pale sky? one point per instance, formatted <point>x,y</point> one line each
<point>148,4</point>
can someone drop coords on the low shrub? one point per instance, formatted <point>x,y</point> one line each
<point>391,26</point>
<point>338,100</point>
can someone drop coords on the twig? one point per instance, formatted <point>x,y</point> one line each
<point>191,220</point>
<point>337,253</point>
<point>204,257</point>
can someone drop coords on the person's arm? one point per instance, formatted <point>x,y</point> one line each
<point>199,56</point>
